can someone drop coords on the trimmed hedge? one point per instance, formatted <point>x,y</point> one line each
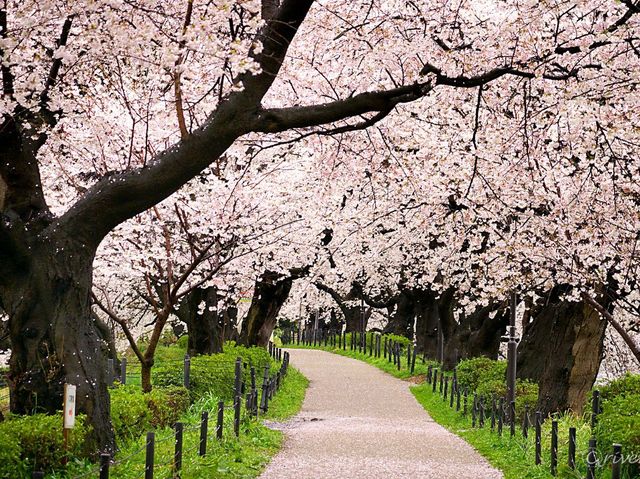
<point>213,374</point>
<point>36,443</point>
<point>487,378</point>
<point>134,412</point>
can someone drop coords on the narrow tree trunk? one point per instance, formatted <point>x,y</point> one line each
<point>199,312</point>
<point>145,375</point>
<point>561,351</point>
<point>53,335</point>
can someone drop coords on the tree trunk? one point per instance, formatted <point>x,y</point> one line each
<point>269,294</point>
<point>475,335</point>
<point>54,339</point>
<point>561,351</point>
<point>145,375</point>
<point>404,314</point>
<point>205,328</point>
<point>427,322</point>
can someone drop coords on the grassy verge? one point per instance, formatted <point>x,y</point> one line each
<point>231,457</point>
<point>515,457</point>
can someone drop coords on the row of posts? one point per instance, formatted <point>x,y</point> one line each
<point>372,344</point>
<point>499,413</point>
<point>270,385</point>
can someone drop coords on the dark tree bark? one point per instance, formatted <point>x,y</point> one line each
<point>205,329</point>
<point>269,294</point>
<point>561,350</point>
<point>428,313</point>
<point>402,316</point>
<point>477,334</point>
<point>54,338</point>
<point>354,317</point>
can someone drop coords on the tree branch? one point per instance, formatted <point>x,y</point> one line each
<point>280,119</point>
<point>56,64</point>
<point>123,324</point>
<point>635,349</point>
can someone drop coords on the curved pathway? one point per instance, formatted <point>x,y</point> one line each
<point>358,422</point>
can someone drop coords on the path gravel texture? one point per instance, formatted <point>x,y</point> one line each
<point>358,422</point>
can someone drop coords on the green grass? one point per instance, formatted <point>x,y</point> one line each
<point>231,457</point>
<point>515,457</point>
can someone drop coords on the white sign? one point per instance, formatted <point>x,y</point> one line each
<point>69,406</point>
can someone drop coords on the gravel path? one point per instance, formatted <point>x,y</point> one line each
<point>358,422</point>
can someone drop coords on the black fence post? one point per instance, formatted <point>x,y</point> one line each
<point>220,423</point>
<point>385,347</point>
<point>413,360</point>
<point>441,381</point>
<point>538,427</point>
<point>105,460</point>
<point>595,408</point>
<point>500,415</point>
<point>204,427</point>
<point>592,459</point>
<point>572,448</point>
<point>446,387</point>
<point>37,475</point>
<point>187,371</point>
<point>554,447</point>
<point>148,465</point>
<point>473,410</point>
<point>493,412</point>
<point>512,418</point>
<point>177,454</point>
<point>434,381</point>
<point>466,400</point>
<point>615,461</point>
<point>264,406</point>
<point>123,370</point>
<point>525,422</point>
<point>457,398</point>
<point>453,393</point>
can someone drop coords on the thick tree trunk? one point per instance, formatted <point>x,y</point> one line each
<point>427,322</point>
<point>204,325</point>
<point>477,334</point>
<point>269,294</point>
<point>404,314</point>
<point>561,351</point>
<point>54,339</point>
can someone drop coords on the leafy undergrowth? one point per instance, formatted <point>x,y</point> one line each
<point>231,457</point>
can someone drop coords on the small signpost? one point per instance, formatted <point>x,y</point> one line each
<point>69,416</point>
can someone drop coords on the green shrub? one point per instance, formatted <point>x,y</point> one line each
<point>214,373</point>
<point>396,338</point>
<point>526,395</point>
<point>130,415</point>
<point>622,386</point>
<point>476,371</point>
<point>36,443</point>
<point>183,342</point>
<point>11,464</point>
<point>166,405</point>
<point>134,412</point>
<point>619,423</point>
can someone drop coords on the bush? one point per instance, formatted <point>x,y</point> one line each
<point>622,386</point>
<point>134,412</point>
<point>619,423</point>
<point>214,373</point>
<point>476,371</point>
<point>36,443</point>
